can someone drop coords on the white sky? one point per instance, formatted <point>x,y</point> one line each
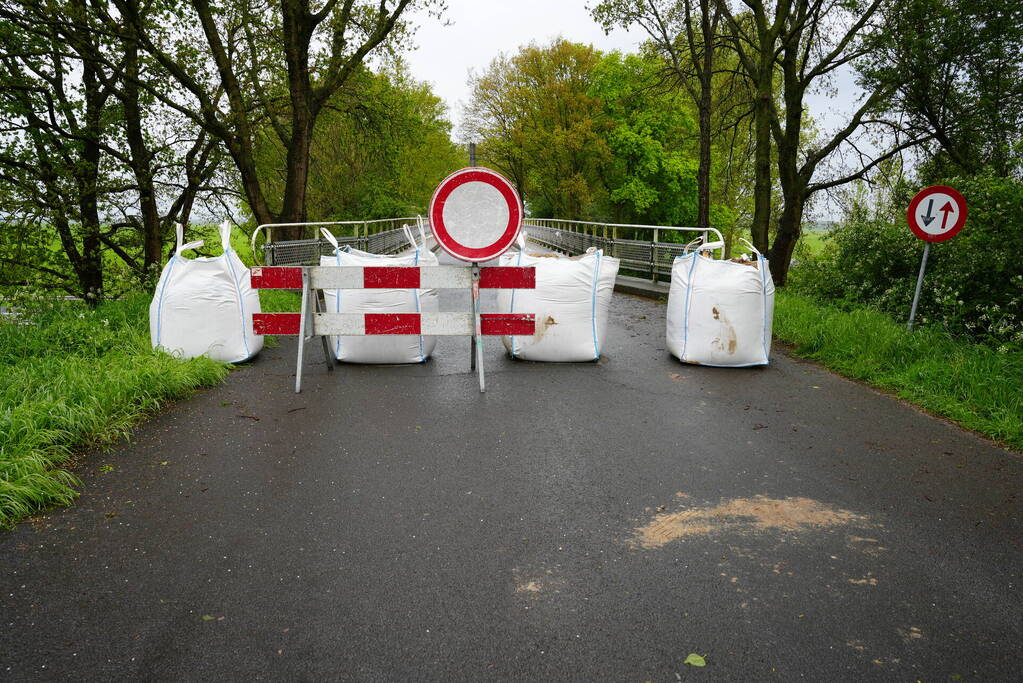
<point>479,30</point>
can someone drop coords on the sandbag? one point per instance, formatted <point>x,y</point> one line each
<point>407,348</point>
<point>204,306</point>
<point>720,312</point>
<point>571,302</point>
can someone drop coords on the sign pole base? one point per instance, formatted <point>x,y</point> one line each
<point>919,284</point>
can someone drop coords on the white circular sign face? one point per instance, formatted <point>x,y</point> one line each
<point>937,213</point>
<point>475,214</point>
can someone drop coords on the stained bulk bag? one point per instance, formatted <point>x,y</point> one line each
<point>204,306</point>
<point>406,348</point>
<point>571,302</point>
<point>720,312</point>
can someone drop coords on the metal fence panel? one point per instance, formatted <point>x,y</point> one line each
<point>650,257</point>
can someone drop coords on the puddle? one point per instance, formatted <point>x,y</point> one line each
<point>742,515</point>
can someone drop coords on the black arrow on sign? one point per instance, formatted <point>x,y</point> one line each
<point>948,208</point>
<point>929,217</point>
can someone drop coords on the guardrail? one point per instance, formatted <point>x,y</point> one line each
<point>381,236</point>
<point>623,241</point>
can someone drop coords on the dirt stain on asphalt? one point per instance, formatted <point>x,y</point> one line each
<point>529,587</point>
<point>741,515</point>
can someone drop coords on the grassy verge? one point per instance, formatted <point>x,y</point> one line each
<point>971,384</point>
<point>70,377</point>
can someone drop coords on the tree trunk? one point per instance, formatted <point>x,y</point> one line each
<point>293,209</point>
<point>789,230</point>
<point>762,113</point>
<point>90,273</point>
<point>703,174</point>
<point>142,168</point>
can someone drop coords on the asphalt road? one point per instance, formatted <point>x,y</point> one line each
<point>597,521</point>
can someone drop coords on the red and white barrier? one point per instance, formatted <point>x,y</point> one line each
<point>308,323</point>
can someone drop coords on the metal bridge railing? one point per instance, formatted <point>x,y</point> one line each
<point>381,236</point>
<point>638,247</point>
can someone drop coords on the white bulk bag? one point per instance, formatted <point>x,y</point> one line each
<point>204,306</point>
<point>570,301</point>
<point>404,348</point>
<point>720,312</point>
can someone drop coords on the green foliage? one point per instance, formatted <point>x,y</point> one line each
<point>974,282</point>
<point>956,67</point>
<point>972,384</point>
<point>71,376</point>
<point>379,149</point>
<point>587,136</point>
<point>651,175</point>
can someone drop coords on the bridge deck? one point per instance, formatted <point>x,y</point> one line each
<point>576,522</point>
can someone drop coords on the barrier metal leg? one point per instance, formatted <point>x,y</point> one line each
<point>327,356</point>
<point>477,339</point>
<point>302,328</point>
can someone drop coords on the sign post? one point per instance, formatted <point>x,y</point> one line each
<point>923,218</point>
<point>476,215</point>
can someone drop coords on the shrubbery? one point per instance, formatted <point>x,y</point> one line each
<point>974,282</point>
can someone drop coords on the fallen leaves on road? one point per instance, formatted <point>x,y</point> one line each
<point>695,660</point>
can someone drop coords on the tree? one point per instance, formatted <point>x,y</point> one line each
<point>380,147</point>
<point>685,35</point>
<point>231,75</point>
<point>82,154</point>
<point>806,42</point>
<point>966,90</point>
<point>651,175</point>
<point>537,121</point>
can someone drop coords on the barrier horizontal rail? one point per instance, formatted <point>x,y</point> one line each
<point>430,324</point>
<point>392,277</point>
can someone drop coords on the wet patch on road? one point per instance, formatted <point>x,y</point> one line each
<point>742,515</point>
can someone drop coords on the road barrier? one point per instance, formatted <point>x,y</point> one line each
<point>309,323</point>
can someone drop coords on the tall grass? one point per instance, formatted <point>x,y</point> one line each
<point>970,383</point>
<point>71,377</point>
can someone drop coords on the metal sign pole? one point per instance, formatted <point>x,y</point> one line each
<point>919,284</point>
<point>477,337</point>
<point>303,326</point>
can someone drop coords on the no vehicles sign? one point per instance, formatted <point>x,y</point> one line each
<point>475,214</point>
<point>936,213</point>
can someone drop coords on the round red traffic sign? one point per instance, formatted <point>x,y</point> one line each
<point>936,213</point>
<point>475,214</point>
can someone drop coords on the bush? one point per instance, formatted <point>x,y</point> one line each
<point>974,282</point>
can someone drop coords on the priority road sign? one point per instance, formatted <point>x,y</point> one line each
<point>936,213</point>
<point>476,214</point>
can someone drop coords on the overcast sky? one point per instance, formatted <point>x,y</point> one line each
<point>479,30</point>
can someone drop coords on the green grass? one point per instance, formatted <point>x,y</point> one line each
<point>971,384</point>
<point>70,378</point>
<point>813,240</point>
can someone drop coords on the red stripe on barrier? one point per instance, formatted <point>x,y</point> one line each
<point>393,323</point>
<point>379,277</point>
<point>276,323</point>
<point>508,323</point>
<point>276,277</point>
<point>507,277</point>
